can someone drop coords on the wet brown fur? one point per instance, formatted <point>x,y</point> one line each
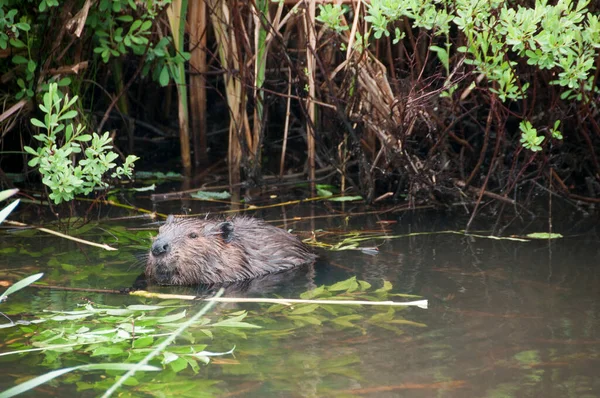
<point>190,251</point>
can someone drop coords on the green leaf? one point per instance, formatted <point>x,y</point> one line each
<point>84,138</point>
<point>348,284</point>
<point>304,309</point>
<point>136,24</point>
<point>364,285</point>
<point>20,285</point>
<point>544,235</point>
<point>106,351</point>
<point>313,293</point>
<point>172,317</point>
<point>142,342</point>
<point>324,192</point>
<point>17,43</point>
<point>37,123</point>
<point>19,59</point>
<point>163,78</point>
<point>387,286</point>
<point>65,81</point>
<point>207,195</point>
<point>178,365</point>
<point>31,65</point>
<point>4,213</point>
<point>146,25</point>
<point>346,320</point>
<point>30,151</point>
<point>345,198</point>
<point>68,115</point>
<point>234,324</point>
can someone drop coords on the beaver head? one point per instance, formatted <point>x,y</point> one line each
<point>190,251</point>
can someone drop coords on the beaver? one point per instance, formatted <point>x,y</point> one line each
<point>191,251</point>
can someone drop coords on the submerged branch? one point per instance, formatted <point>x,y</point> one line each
<point>49,231</point>
<point>418,303</point>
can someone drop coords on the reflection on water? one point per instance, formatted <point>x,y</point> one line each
<point>505,319</point>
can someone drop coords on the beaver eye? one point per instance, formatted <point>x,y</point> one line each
<point>193,235</point>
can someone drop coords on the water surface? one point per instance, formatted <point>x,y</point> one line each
<point>505,318</point>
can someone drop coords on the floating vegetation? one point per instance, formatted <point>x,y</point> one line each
<point>544,235</point>
<point>124,337</point>
<point>351,240</point>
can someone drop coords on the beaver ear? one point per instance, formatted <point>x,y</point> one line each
<point>170,219</point>
<point>226,229</point>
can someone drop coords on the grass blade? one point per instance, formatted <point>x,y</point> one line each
<point>20,285</point>
<point>8,209</point>
<point>37,381</point>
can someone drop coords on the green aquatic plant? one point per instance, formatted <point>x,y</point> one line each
<point>128,334</point>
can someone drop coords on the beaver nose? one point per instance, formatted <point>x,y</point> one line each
<point>160,247</point>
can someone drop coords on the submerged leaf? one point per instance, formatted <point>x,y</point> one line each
<point>235,322</point>
<point>310,294</point>
<point>349,284</point>
<point>305,309</point>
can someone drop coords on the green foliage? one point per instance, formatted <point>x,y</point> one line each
<point>501,41</point>
<point>544,235</point>
<point>124,335</point>
<point>60,144</point>
<point>529,137</point>
<point>425,14</point>
<point>8,25</point>
<point>331,15</point>
<point>114,28</point>
<point>564,37</point>
<point>556,134</point>
<point>45,378</point>
<point>118,31</point>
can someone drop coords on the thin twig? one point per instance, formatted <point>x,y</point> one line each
<point>283,301</point>
<point>287,123</point>
<point>49,231</point>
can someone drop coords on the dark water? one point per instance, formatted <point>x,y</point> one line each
<point>505,318</point>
